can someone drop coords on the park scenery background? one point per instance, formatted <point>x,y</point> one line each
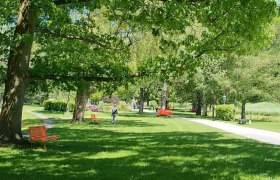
<point>65,63</point>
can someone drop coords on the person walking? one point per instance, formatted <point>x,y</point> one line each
<point>114,114</point>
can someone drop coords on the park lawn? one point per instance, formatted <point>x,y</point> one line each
<point>265,122</point>
<point>263,108</point>
<point>141,147</point>
<point>265,116</point>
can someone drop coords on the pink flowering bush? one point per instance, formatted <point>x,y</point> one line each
<point>93,108</point>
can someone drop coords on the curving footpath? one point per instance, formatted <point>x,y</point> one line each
<point>252,133</point>
<point>47,122</point>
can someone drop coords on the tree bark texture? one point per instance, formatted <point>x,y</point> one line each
<point>243,109</point>
<point>81,100</point>
<point>205,107</point>
<point>199,103</point>
<point>142,99</point>
<point>17,75</point>
<point>147,95</point>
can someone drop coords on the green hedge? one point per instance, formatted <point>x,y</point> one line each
<point>55,105</point>
<point>225,112</point>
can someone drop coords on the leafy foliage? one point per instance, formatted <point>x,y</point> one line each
<point>55,105</point>
<point>225,112</point>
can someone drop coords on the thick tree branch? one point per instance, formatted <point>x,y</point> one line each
<point>228,48</point>
<point>86,78</point>
<point>209,42</point>
<point>90,40</point>
<point>63,2</point>
<point>71,37</point>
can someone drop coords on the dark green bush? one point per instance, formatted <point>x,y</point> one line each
<point>225,112</point>
<point>55,105</point>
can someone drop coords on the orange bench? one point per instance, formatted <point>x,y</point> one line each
<point>164,112</point>
<point>94,118</point>
<point>39,133</point>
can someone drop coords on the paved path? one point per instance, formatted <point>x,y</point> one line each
<point>47,122</point>
<point>252,133</point>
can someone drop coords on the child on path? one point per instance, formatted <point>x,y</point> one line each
<point>114,114</point>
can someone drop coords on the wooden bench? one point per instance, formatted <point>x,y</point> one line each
<point>94,118</point>
<point>39,133</point>
<point>164,112</point>
<point>244,121</point>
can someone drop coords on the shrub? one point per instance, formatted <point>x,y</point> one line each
<point>153,105</point>
<point>55,105</point>
<point>93,108</point>
<point>225,112</point>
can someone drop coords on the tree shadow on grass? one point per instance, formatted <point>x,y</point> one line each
<point>109,154</point>
<point>122,123</point>
<point>135,114</point>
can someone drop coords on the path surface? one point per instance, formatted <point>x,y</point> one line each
<point>47,122</point>
<point>252,133</point>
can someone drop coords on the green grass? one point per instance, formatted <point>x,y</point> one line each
<point>263,107</point>
<point>264,115</point>
<point>140,147</point>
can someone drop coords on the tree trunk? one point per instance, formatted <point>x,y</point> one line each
<point>164,96</point>
<point>17,75</point>
<point>243,115</point>
<point>147,99</point>
<point>81,100</point>
<point>142,99</point>
<point>205,106</point>
<point>199,103</point>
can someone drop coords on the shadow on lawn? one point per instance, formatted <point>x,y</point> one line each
<point>107,154</point>
<point>133,114</point>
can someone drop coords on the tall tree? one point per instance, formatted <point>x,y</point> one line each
<point>16,78</point>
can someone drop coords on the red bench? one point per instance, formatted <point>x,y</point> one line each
<point>164,112</point>
<point>39,133</point>
<point>94,118</point>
